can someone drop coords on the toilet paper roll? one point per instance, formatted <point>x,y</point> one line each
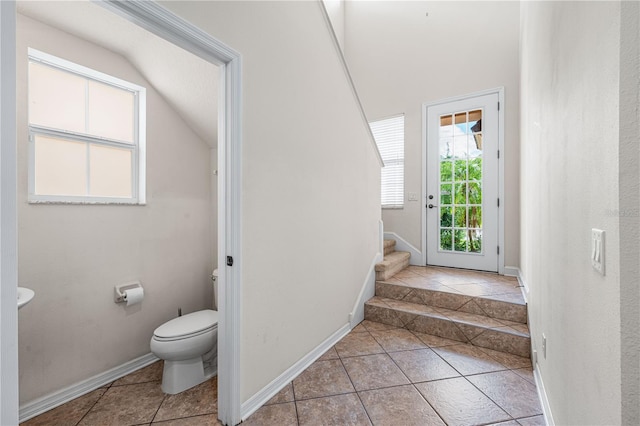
<point>134,296</point>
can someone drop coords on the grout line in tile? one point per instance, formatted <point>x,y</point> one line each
<point>158,409</point>
<point>94,404</point>
<point>355,390</point>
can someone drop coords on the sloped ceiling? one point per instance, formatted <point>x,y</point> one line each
<point>187,82</point>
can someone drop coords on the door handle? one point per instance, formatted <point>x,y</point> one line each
<point>431,206</point>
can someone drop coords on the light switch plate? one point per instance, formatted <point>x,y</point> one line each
<point>413,196</point>
<point>597,250</point>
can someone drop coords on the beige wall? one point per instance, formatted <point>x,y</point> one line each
<point>400,58</point>
<point>310,179</point>
<point>73,255</point>
<point>570,53</point>
<point>335,10</point>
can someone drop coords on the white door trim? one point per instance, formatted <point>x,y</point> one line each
<point>8,218</point>
<point>425,107</point>
<point>163,23</point>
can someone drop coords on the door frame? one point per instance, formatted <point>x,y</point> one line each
<point>425,106</point>
<point>160,21</point>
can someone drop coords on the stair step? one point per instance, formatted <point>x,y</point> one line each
<point>389,246</point>
<point>392,264</point>
<point>491,333</point>
<point>450,299</point>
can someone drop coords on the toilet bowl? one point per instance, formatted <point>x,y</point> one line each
<point>182,343</point>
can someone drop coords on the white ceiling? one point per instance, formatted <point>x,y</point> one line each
<point>187,82</point>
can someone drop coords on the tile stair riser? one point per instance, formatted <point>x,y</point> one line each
<point>467,333</point>
<point>457,302</point>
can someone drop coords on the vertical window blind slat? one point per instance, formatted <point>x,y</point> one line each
<point>389,136</point>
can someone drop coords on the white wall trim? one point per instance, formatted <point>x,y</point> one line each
<point>511,271</point>
<point>542,394</point>
<point>8,218</point>
<point>266,393</point>
<point>404,245</point>
<point>54,399</point>
<point>523,284</point>
<point>367,291</point>
<point>500,92</point>
<point>165,24</point>
<point>336,43</point>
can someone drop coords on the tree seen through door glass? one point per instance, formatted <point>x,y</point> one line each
<point>460,147</point>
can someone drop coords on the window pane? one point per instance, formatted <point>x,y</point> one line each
<point>56,98</point>
<point>111,112</point>
<point>110,172</point>
<point>60,166</point>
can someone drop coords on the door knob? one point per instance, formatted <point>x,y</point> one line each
<point>431,197</point>
<point>431,206</point>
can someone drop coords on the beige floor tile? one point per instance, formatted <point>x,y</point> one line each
<point>514,394</point>
<point>526,373</point>
<point>69,413</point>
<point>508,360</point>
<point>397,340</point>
<point>126,405</point>
<point>401,405</point>
<point>206,420</point>
<point>468,359</point>
<point>330,354</point>
<point>199,400</point>
<point>376,326</point>
<point>285,395</point>
<point>356,344</point>
<point>358,328</point>
<point>435,341</point>
<point>423,365</point>
<point>533,421</point>
<point>509,423</point>
<point>277,414</point>
<point>150,373</point>
<point>374,372</point>
<point>458,402</point>
<point>333,410</point>
<point>322,378</point>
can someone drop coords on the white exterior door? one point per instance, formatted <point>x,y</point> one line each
<point>462,183</point>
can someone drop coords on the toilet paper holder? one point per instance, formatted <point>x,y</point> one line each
<point>119,290</point>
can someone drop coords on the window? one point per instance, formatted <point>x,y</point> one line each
<point>389,136</point>
<point>86,134</point>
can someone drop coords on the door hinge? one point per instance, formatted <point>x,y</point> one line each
<point>229,260</point>
<point>498,249</point>
<point>498,106</point>
<point>498,153</point>
<point>498,202</point>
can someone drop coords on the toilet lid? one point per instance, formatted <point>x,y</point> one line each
<point>187,324</point>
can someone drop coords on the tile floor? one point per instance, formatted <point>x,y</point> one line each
<point>137,399</point>
<point>383,375</point>
<point>377,374</point>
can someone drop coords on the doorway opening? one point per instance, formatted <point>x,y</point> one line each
<point>463,173</point>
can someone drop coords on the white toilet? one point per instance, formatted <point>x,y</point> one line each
<point>185,343</point>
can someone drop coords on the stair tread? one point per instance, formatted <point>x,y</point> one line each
<point>389,243</point>
<point>500,325</point>
<point>392,259</point>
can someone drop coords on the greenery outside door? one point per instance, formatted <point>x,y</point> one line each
<point>462,183</point>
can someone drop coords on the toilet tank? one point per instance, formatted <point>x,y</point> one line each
<point>214,278</point>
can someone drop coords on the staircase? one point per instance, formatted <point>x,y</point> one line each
<point>441,302</point>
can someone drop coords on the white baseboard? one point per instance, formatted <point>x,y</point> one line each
<point>404,245</point>
<point>367,291</point>
<point>542,394</point>
<point>511,271</point>
<point>269,391</point>
<point>54,399</point>
<point>523,284</point>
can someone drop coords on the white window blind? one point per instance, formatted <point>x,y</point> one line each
<point>389,136</point>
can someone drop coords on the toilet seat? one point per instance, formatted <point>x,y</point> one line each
<point>187,326</point>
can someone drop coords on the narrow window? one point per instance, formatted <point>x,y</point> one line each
<point>86,134</point>
<point>389,136</point>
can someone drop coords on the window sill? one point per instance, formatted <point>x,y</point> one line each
<point>392,207</point>
<point>87,203</point>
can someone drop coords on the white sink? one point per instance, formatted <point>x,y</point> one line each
<point>24,296</point>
